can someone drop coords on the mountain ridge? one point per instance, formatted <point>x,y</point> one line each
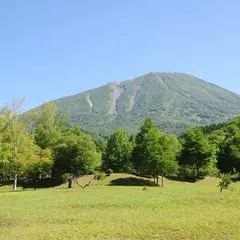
<point>175,101</point>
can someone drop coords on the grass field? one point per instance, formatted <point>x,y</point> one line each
<point>178,211</point>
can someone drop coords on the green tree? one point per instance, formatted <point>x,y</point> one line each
<point>225,182</point>
<point>13,136</point>
<point>76,155</point>
<point>235,152</point>
<point>49,124</point>
<point>154,153</point>
<point>146,150</point>
<point>18,150</point>
<point>228,155</point>
<point>101,145</point>
<point>198,152</point>
<point>39,163</point>
<point>167,164</point>
<point>118,152</point>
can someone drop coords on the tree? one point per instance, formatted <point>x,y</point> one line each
<point>76,155</point>
<point>48,125</point>
<point>228,154</point>
<point>197,151</point>
<point>118,152</point>
<point>101,145</point>
<point>154,153</point>
<point>225,181</point>
<point>39,163</point>
<point>146,150</point>
<point>235,152</point>
<point>13,138</point>
<point>167,164</point>
<point>18,151</point>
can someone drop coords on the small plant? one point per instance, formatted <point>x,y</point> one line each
<point>100,176</point>
<point>145,188</point>
<point>109,171</point>
<point>225,182</point>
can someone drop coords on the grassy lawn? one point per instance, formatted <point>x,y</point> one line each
<point>178,211</point>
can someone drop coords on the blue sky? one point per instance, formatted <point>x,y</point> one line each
<point>55,48</point>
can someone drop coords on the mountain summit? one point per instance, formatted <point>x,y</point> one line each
<point>175,101</point>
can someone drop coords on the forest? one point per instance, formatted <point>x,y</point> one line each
<point>42,144</point>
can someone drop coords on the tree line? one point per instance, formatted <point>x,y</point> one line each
<point>42,144</point>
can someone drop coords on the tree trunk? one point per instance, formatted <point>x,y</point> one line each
<point>154,179</point>
<point>162,181</point>
<point>15,182</point>
<point>70,182</point>
<point>35,182</point>
<point>157,180</point>
<point>221,189</point>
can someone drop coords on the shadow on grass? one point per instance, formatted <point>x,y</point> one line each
<point>131,181</point>
<point>5,183</point>
<point>186,179</point>
<point>43,183</point>
<point>236,179</point>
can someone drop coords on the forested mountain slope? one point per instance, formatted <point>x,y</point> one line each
<point>175,101</point>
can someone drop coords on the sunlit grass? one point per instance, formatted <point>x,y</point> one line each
<point>177,211</point>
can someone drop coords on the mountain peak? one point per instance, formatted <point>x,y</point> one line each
<point>175,101</point>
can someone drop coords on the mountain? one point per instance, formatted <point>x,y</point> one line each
<point>175,101</point>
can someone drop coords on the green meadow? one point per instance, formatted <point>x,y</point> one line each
<point>179,210</point>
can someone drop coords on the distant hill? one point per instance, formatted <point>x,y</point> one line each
<point>175,101</point>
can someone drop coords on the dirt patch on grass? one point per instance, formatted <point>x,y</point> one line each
<point>7,223</point>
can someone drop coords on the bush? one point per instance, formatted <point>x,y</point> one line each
<point>225,182</point>
<point>187,172</point>
<point>109,171</point>
<point>100,176</point>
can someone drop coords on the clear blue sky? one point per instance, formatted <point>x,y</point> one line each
<point>54,48</point>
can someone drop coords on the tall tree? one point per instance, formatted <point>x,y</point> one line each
<point>235,152</point>
<point>17,145</point>
<point>118,152</point>
<point>167,164</point>
<point>154,153</point>
<point>197,151</point>
<point>227,142</point>
<point>49,124</point>
<point>12,131</point>
<point>146,151</point>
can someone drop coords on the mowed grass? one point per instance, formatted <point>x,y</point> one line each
<point>178,211</point>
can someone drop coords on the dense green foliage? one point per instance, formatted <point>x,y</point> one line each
<point>174,101</point>
<point>118,152</point>
<point>75,154</point>
<point>39,145</point>
<point>154,153</point>
<point>198,152</point>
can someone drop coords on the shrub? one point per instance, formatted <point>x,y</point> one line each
<point>109,171</point>
<point>187,172</point>
<point>99,176</point>
<point>225,182</point>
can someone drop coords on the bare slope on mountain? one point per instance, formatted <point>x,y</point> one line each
<point>175,101</point>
